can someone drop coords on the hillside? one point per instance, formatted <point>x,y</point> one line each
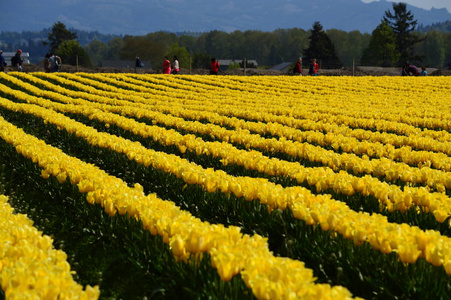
<point>142,17</point>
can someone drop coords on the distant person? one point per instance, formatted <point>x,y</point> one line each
<point>17,61</point>
<point>313,67</point>
<point>47,65</point>
<point>423,71</point>
<point>166,66</point>
<point>297,70</point>
<point>2,62</point>
<point>55,63</point>
<point>410,70</point>
<point>138,63</point>
<point>175,65</point>
<point>214,66</point>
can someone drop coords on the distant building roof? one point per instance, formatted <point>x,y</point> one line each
<point>281,66</point>
<point>9,55</point>
<point>123,64</point>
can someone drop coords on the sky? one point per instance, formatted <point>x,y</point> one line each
<point>426,4</point>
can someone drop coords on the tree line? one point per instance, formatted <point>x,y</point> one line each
<point>394,41</point>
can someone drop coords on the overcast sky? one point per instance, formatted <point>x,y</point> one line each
<point>426,4</point>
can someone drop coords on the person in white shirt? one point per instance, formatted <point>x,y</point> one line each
<point>175,66</point>
<point>55,63</point>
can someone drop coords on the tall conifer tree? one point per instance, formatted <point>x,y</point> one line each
<point>322,48</point>
<point>403,24</point>
<point>58,35</point>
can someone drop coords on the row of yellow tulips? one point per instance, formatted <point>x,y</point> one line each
<point>350,162</point>
<point>30,268</point>
<point>343,138</point>
<point>378,167</point>
<point>231,252</point>
<point>390,196</point>
<point>409,242</point>
<point>426,115</point>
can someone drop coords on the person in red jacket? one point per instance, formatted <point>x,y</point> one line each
<point>313,67</point>
<point>214,66</point>
<point>315,64</point>
<point>166,66</point>
<point>298,67</point>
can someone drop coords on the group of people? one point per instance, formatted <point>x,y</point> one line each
<point>171,68</point>
<point>412,70</point>
<point>2,62</point>
<point>52,62</point>
<point>312,70</point>
<point>174,67</point>
<point>16,61</point>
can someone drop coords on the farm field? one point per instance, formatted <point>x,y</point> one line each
<point>126,186</point>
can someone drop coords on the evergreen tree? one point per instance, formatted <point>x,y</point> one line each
<point>381,50</point>
<point>322,48</point>
<point>403,24</point>
<point>58,35</point>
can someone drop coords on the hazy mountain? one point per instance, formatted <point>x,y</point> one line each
<point>139,17</point>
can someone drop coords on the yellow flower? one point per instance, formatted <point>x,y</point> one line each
<point>45,174</point>
<point>226,265</point>
<point>178,246</point>
<point>434,255</point>
<point>408,253</point>
<point>440,215</point>
<point>61,177</point>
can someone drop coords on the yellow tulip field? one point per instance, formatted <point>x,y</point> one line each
<point>140,186</point>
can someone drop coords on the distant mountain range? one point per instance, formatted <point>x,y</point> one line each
<point>139,17</point>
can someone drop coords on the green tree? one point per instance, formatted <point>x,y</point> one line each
<point>201,60</point>
<point>233,66</point>
<point>70,51</point>
<point>164,38</point>
<point>322,48</point>
<point>257,46</point>
<point>447,46</point>
<point>348,45</point>
<point>58,35</point>
<point>340,40</point>
<point>381,50</point>
<point>181,53</point>
<point>216,43</point>
<point>287,45</point>
<point>97,51</point>
<point>189,42</point>
<point>403,24</point>
<point>357,42</point>
<point>237,41</point>
<point>114,47</point>
<point>432,49</point>
<point>145,48</point>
